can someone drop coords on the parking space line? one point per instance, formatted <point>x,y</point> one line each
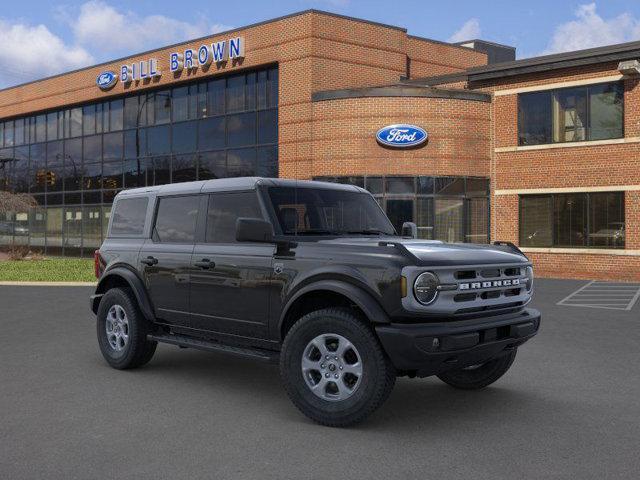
<point>612,296</point>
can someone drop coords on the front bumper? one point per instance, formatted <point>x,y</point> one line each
<point>433,348</point>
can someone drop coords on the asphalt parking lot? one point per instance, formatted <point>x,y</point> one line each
<point>569,407</point>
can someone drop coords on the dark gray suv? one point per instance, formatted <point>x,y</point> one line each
<point>311,275</point>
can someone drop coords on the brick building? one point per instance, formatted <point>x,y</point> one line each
<point>539,152</point>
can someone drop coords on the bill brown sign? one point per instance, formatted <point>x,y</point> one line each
<point>189,59</point>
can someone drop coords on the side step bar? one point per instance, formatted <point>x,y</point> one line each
<point>212,346</point>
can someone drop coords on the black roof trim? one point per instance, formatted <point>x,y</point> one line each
<point>436,79</point>
<point>244,27</point>
<point>609,53</point>
<point>440,42</point>
<point>400,91</point>
<point>495,44</point>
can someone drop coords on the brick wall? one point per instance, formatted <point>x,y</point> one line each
<point>430,58</point>
<point>566,167</point>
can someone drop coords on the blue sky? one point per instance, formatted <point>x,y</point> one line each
<point>42,37</point>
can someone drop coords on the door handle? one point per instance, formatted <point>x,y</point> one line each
<point>205,264</point>
<point>149,260</point>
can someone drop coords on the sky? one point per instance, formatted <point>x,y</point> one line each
<point>39,38</point>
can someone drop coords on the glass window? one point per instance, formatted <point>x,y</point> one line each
<point>161,170</point>
<point>570,218</point>
<point>212,165</point>
<point>176,219</point>
<point>201,104</point>
<point>314,211</point>
<point>112,175</point>
<point>180,102</point>
<point>223,211</point>
<point>73,164</point>
<point>449,186</point>
<point>116,118</point>
<point>183,168</point>
<point>536,221</point>
<point>250,91</point>
<point>211,133</point>
<point>216,94</point>
<point>272,88</point>
<point>130,116</point>
<point>1,135</point>
<point>425,185</point>
<point>424,217</point>
<point>54,175</point>
<point>135,143</point>
<point>261,89</point>
<point>92,226</point>
<point>89,120</point>
<point>102,117</point>
<point>399,211</point>
<point>235,93</point>
<point>606,105</point>
<point>41,128</point>
<point>606,220</point>
<point>92,149</point>
<point>477,187</point>
<point>184,136</point>
<point>477,220</point>
<point>268,126</point>
<point>19,131</point>
<point>571,114</point>
<point>54,226</point>
<point>241,130</point>
<point>92,176</point>
<point>158,140</point>
<point>21,169</point>
<point>162,107</point>
<point>374,185</point>
<point>129,216</point>
<point>112,146</point>
<point>267,162</point>
<point>138,173</point>
<point>75,122</point>
<point>8,134</point>
<point>72,230</point>
<point>241,163</point>
<point>37,168</point>
<point>400,185</point>
<point>449,215</point>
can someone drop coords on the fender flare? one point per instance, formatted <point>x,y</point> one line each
<point>134,282</point>
<point>364,300</point>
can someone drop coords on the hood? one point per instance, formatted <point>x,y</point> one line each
<point>435,253</point>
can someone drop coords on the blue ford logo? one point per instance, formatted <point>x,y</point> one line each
<point>106,80</point>
<point>401,136</point>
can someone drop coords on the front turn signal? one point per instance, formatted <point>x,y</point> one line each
<point>403,286</point>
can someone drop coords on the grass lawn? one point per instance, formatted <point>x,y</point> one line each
<point>48,270</point>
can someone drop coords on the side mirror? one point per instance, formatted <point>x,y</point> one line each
<point>409,229</point>
<point>254,230</point>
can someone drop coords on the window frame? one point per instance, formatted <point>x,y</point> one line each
<point>552,93</point>
<point>588,196</point>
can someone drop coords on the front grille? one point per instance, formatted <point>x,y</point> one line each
<point>473,290</point>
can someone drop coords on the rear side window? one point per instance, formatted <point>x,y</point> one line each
<point>176,219</point>
<point>128,216</point>
<point>224,209</point>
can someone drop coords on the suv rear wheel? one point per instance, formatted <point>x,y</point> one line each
<point>334,369</point>
<point>122,331</point>
<point>479,376</point>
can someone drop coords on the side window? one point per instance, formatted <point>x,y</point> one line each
<point>224,209</point>
<point>176,219</point>
<point>128,216</point>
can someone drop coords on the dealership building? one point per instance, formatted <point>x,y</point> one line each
<point>462,139</point>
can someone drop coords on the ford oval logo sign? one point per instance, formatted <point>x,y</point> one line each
<point>401,136</point>
<point>106,80</point>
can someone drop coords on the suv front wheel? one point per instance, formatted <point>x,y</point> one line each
<point>122,331</point>
<point>334,369</point>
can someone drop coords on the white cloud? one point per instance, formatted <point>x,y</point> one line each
<point>589,29</point>
<point>469,31</point>
<point>28,52</point>
<point>104,29</point>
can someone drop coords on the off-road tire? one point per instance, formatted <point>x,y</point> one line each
<point>482,376</point>
<point>138,350</point>
<point>378,377</point>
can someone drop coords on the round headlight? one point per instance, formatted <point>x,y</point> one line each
<point>426,288</point>
<point>529,280</point>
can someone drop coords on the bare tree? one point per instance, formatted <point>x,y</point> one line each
<point>16,202</point>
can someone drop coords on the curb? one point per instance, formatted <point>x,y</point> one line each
<point>48,284</point>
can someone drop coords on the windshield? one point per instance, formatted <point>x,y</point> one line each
<point>317,211</point>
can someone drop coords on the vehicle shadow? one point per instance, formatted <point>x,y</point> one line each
<point>414,403</point>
